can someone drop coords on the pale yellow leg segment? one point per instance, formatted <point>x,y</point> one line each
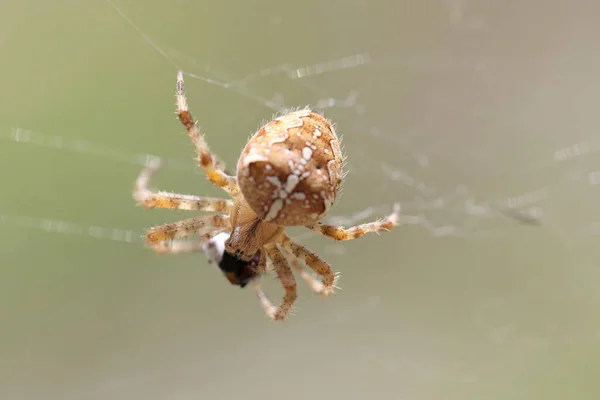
<point>149,199</point>
<point>329,279</point>
<point>266,304</point>
<point>187,227</point>
<point>206,159</point>
<point>341,233</point>
<point>308,277</point>
<point>183,246</point>
<point>262,266</point>
<point>285,275</point>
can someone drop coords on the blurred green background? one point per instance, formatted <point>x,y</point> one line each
<point>456,108</point>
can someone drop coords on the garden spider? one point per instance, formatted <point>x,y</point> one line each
<point>288,174</point>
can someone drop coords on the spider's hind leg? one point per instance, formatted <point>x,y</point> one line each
<point>354,232</point>
<point>151,199</point>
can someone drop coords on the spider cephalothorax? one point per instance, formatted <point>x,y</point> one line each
<point>288,174</point>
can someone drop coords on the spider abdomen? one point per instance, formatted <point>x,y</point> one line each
<point>290,171</point>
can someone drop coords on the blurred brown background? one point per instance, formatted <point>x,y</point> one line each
<point>461,110</point>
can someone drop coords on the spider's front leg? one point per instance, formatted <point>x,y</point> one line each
<point>285,275</point>
<point>354,232</point>
<point>151,199</point>
<point>327,285</point>
<point>206,159</point>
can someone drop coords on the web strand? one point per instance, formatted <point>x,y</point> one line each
<point>443,211</point>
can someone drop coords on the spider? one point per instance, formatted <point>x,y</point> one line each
<point>288,174</point>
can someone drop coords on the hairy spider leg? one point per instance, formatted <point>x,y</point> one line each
<point>206,159</point>
<point>341,233</point>
<point>161,199</point>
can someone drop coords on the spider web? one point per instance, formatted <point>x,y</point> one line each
<point>449,183</point>
<point>473,136</point>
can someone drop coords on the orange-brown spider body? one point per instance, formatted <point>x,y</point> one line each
<point>288,174</point>
<point>290,171</point>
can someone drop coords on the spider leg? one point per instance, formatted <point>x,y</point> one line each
<point>327,285</point>
<point>262,266</point>
<point>186,227</point>
<point>285,275</point>
<point>309,278</point>
<point>207,160</point>
<point>150,199</point>
<point>341,233</point>
<point>184,246</point>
